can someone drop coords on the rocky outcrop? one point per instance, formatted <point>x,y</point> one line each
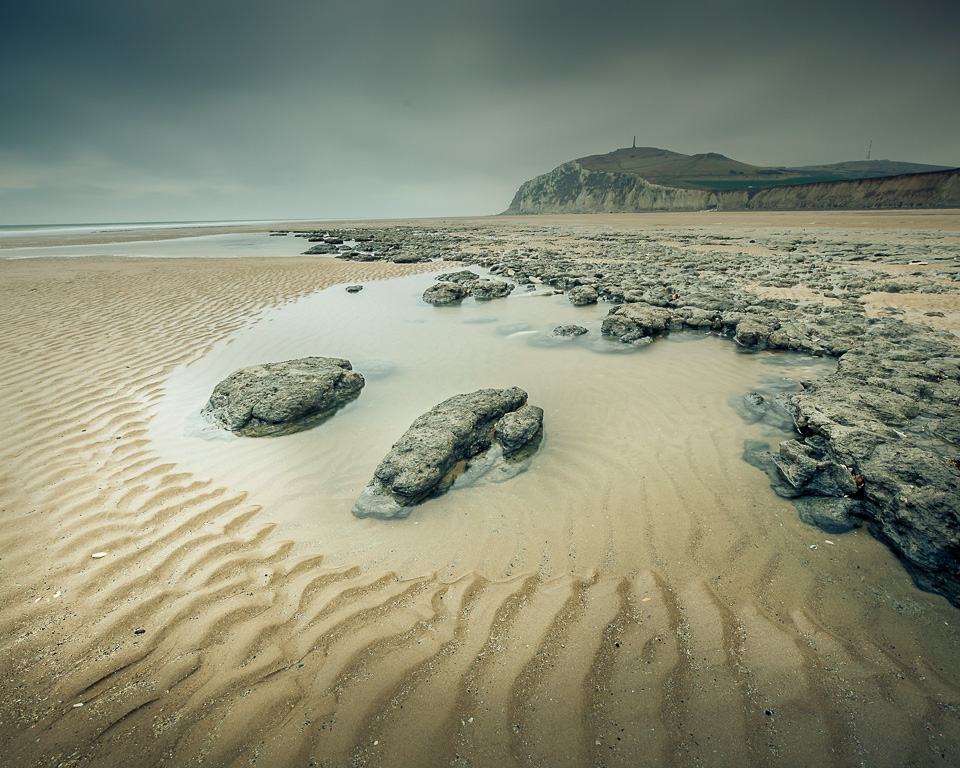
<point>281,398</point>
<point>441,444</point>
<point>869,418</point>
<point>572,188</point>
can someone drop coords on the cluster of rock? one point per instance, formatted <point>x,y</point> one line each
<point>454,287</point>
<point>276,399</point>
<point>865,462</point>
<point>400,245</point>
<point>442,443</point>
<point>281,398</point>
<point>878,442</point>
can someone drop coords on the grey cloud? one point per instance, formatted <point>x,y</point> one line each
<point>375,108</point>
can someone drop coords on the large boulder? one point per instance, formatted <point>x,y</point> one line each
<point>281,398</point>
<point>441,443</point>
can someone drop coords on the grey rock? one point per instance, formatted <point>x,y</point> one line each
<point>483,290</point>
<point>281,398</point>
<point>751,333</point>
<point>354,288</point>
<point>582,295</point>
<point>829,514</point>
<point>463,277</point>
<point>408,258</point>
<point>445,293</point>
<point>569,330</point>
<point>437,446</point>
<point>635,321</point>
<point>810,473</point>
<point>518,428</point>
<point>321,249</point>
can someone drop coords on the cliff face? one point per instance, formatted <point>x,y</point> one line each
<point>938,189</point>
<point>571,188</point>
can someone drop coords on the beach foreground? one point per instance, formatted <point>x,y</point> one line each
<point>151,615</point>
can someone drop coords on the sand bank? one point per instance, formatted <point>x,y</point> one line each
<point>151,616</point>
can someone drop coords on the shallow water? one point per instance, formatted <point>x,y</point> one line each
<point>199,247</point>
<point>630,437</point>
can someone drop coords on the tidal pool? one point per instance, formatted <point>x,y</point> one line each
<point>637,443</point>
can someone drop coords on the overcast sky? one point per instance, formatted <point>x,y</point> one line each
<point>233,109</point>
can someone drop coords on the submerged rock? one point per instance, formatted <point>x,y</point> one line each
<point>281,398</point>
<point>441,443</point>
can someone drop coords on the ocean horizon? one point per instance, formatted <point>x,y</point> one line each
<point>16,230</point>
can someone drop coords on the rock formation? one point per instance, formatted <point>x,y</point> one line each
<point>442,442</point>
<point>572,188</point>
<point>443,293</point>
<point>453,287</point>
<point>281,398</point>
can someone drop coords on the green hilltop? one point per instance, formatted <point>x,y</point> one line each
<point>712,171</point>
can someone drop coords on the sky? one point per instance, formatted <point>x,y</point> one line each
<point>173,110</point>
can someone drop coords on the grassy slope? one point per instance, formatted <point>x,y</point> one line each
<point>714,171</point>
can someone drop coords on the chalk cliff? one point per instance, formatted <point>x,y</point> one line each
<point>572,188</point>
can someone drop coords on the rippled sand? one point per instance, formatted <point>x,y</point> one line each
<point>672,611</point>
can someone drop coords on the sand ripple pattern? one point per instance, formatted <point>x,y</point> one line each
<point>734,643</point>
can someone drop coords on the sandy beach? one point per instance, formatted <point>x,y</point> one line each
<point>155,615</point>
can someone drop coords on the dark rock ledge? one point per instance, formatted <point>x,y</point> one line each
<point>443,442</point>
<point>280,398</point>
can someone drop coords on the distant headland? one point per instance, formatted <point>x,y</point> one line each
<point>637,179</point>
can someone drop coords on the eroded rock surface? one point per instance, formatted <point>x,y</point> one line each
<point>442,442</point>
<point>889,416</point>
<point>582,295</point>
<point>445,293</point>
<point>281,398</point>
<point>569,330</point>
<point>453,287</point>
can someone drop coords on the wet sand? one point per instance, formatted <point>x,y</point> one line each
<point>705,626</point>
